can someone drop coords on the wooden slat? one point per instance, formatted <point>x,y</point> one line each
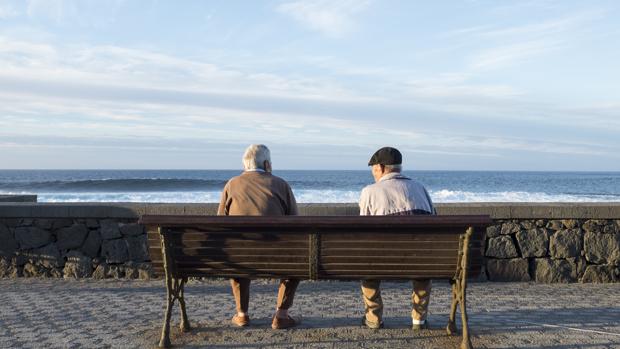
<point>383,236</point>
<point>424,259</point>
<point>323,222</point>
<point>244,258</point>
<point>202,235</point>
<point>375,267</point>
<point>343,252</point>
<point>389,245</point>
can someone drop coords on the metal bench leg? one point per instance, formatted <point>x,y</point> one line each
<point>451,329</point>
<point>164,342</point>
<point>185,327</point>
<point>462,285</point>
<point>466,343</point>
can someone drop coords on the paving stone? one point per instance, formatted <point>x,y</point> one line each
<point>57,313</point>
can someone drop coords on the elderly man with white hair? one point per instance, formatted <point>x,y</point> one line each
<point>394,194</point>
<point>256,192</point>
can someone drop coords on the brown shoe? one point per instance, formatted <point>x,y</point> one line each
<point>282,323</point>
<point>241,321</point>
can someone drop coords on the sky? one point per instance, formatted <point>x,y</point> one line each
<point>455,85</point>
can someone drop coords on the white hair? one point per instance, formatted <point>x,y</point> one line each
<point>393,168</point>
<point>255,156</point>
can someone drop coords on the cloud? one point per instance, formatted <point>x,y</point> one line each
<point>333,18</point>
<point>7,11</point>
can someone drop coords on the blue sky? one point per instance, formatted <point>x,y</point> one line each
<point>456,85</point>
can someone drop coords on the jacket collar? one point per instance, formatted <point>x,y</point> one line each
<point>392,175</point>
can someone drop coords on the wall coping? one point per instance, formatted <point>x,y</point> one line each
<point>18,198</point>
<point>597,210</point>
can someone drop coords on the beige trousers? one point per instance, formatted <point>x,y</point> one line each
<point>241,292</point>
<point>371,293</point>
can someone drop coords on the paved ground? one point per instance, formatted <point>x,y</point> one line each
<point>36,313</point>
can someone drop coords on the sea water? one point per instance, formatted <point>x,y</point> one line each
<point>309,186</point>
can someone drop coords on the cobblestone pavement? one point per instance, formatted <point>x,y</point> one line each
<point>39,313</point>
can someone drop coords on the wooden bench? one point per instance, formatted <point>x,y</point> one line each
<point>316,248</point>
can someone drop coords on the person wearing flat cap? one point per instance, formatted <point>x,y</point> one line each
<point>393,194</point>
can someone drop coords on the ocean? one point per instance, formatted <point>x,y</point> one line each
<point>308,186</point>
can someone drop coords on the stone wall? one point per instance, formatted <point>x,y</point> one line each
<point>527,242</point>
<point>543,250</point>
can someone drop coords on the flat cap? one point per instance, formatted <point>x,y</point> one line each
<point>386,156</point>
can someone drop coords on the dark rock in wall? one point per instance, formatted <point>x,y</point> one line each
<point>92,244</point>
<point>44,223</point>
<point>533,242</point>
<point>32,237</point>
<point>77,266</point>
<point>138,248</point>
<point>61,223</point>
<point>109,229</point>
<point>47,256</point>
<point>115,251</point>
<point>508,269</point>
<point>566,243</point>
<point>570,223</point>
<point>601,274</point>
<point>493,231</point>
<point>555,225</point>
<point>594,225</point>
<point>527,225</point>
<point>554,270</point>
<point>601,248</point>
<point>132,229</point>
<point>92,223</point>
<point>71,237</point>
<point>501,247</point>
<point>510,228</point>
<point>101,272</point>
<point>8,244</point>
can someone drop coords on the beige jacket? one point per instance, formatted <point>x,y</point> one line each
<point>395,194</point>
<point>257,194</point>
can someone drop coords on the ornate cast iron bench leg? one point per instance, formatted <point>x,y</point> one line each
<point>175,290</point>
<point>459,291</point>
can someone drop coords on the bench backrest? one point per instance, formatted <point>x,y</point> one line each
<point>314,247</point>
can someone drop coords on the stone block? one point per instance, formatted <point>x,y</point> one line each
<point>77,266</point>
<point>501,247</point>
<point>593,225</point>
<point>601,248</point>
<point>510,228</point>
<point>92,223</point>
<point>6,267</point>
<point>61,223</point>
<point>101,272</point>
<point>554,270</point>
<point>145,271</point>
<point>493,231</point>
<point>92,244</point>
<point>71,237</point>
<point>508,269</point>
<point>533,242</point>
<point>115,251</point>
<point>138,248</point>
<point>8,244</point>
<point>116,271</point>
<point>109,229</point>
<point>32,237</point>
<point>44,223</point>
<point>555,225</point>
<point>132,229</point>
<point>566,243</point>
<point>47,256</point>
<point>570,223</point>
<point>601,274</point>
<point>527,225</point>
